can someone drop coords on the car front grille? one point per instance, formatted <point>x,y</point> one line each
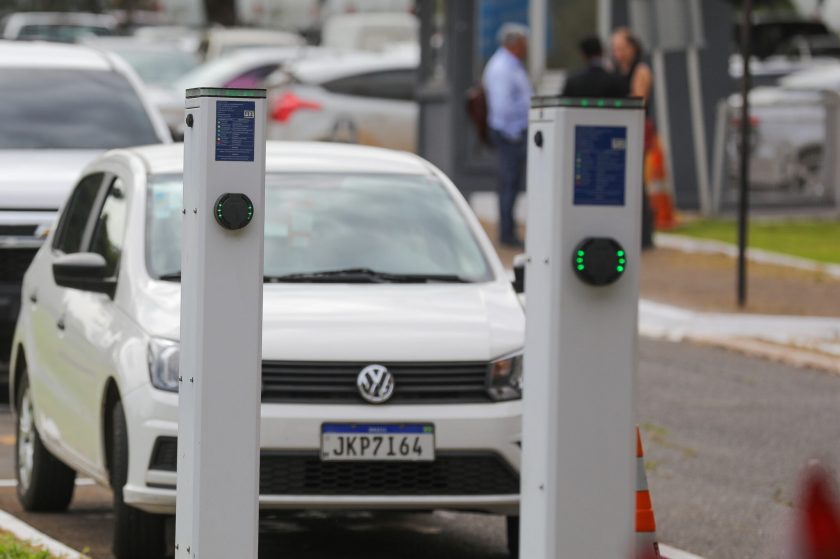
<point>335,383</point>
<point>14,263</point>
<point>303,473</point>
<point>449,474</point>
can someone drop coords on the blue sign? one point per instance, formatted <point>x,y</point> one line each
<point>355,428</point>
<point>600,165</point>
<point>235,130</point>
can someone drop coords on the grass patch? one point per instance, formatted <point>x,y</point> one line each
<point>815,240</point>
<point>12,548</point>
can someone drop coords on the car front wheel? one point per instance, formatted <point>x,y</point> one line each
<point>44,484</point>
<point>137,534</point>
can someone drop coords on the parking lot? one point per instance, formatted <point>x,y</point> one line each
<point>725,437</point>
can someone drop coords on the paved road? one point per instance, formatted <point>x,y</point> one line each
<point>726,437</point>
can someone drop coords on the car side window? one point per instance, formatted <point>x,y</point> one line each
<point>76,214</point>
<point>109,232</point>
<point>252,78</point>
<point>398,85</point>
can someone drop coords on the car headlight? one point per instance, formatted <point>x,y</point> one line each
<point>504,378</point>
<point>164,364</point>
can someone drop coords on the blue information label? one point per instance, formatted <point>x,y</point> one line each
<point>600,165</point>
<point>235,130</point>
<point>368,429</point>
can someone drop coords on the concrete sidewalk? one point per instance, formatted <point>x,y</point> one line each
<point>800,341</point>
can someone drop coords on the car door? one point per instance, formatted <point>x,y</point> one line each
<point>377,108</point>
<point>91,340</point>
<point>46,304</point>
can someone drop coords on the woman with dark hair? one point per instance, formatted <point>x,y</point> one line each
<point>638,82</point>
<point>627,54</point>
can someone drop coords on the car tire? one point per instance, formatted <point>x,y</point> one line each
<point>44,483</point>
<point>137,534</point>
<point>513,536</point>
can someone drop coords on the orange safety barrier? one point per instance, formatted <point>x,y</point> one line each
<point>647,546</point>
<point>656,183</point>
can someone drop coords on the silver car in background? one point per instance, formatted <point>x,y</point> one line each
<point>355,97</point>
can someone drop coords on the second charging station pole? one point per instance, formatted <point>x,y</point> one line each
<point>582,284</point>
<point>221,325</point>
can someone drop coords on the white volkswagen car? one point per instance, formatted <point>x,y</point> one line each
<point>374,265</point>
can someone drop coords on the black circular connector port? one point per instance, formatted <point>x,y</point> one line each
<point>233,211</point>
<point>599,261</point>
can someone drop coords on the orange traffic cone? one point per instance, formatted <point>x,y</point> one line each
<point>647,546</point>
<point>656,182</point>
<point>818,520</point>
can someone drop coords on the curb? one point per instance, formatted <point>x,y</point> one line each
<point>795,340</point>
<point>27,533</point>
<point>669,552</point>
<point>706,246</point>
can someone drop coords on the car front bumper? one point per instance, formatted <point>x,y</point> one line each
<point>470,440</point>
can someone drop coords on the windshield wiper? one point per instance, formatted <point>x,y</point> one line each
<point>173,276</point>
<point>363,275</point>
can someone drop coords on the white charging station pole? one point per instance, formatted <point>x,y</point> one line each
<point>221,325</point>
<point>582,285</point>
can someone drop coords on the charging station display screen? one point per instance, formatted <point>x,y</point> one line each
<point>235,130</point>
<point>600,165</point>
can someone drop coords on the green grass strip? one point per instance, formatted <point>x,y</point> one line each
<point>11,548</point>
<point>814,240</point>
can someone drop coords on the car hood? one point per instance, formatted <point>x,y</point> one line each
<point>391,322</point>
<point>40,179</point>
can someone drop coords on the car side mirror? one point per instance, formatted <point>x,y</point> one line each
<point>519,262</point>
<point>86,271</point>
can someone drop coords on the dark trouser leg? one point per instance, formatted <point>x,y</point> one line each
<point>511,168</point>
<point>647,221</point>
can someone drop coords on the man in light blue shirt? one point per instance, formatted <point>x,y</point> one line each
<point>508,91</point>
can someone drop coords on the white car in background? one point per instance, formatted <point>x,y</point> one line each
<point>62,106</point>
<point>369,31</point>
<point>789,130</point>
<point>61,27</point>
<point>219,41</point>
<point>246,68</point>
<point>355,97</point>
<point>372,259</point>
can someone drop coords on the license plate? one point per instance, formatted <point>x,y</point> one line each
<point>398,443</point>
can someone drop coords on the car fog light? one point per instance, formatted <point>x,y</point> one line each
<point>504,378</point>
<point>164,364</point>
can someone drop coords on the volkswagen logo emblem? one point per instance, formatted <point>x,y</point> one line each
<point>376,384</point>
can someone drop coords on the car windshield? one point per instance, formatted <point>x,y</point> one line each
<point>70,109</point>
<point>317,225</point>
<point>157,66</point>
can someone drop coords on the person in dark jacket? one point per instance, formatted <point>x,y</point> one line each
<point>595,80</point>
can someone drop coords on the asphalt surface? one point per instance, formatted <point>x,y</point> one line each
<point>726,437</point>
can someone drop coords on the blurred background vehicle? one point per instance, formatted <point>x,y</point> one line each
<point>784,43</point>
<point>225,40</point>
<point>159,64</point>
<point>787,139</point>
<point>62,27</point>
<point>369,31</point>
<point>246,68</point>
<point>356,97</point>
<point>62,106</point>
<point>188,38</point>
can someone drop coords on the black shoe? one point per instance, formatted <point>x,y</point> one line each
<point>513,243</point>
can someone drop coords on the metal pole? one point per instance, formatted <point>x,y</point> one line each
<point>698,126</point>
<point>743,199</point>
<point>537,11</point>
